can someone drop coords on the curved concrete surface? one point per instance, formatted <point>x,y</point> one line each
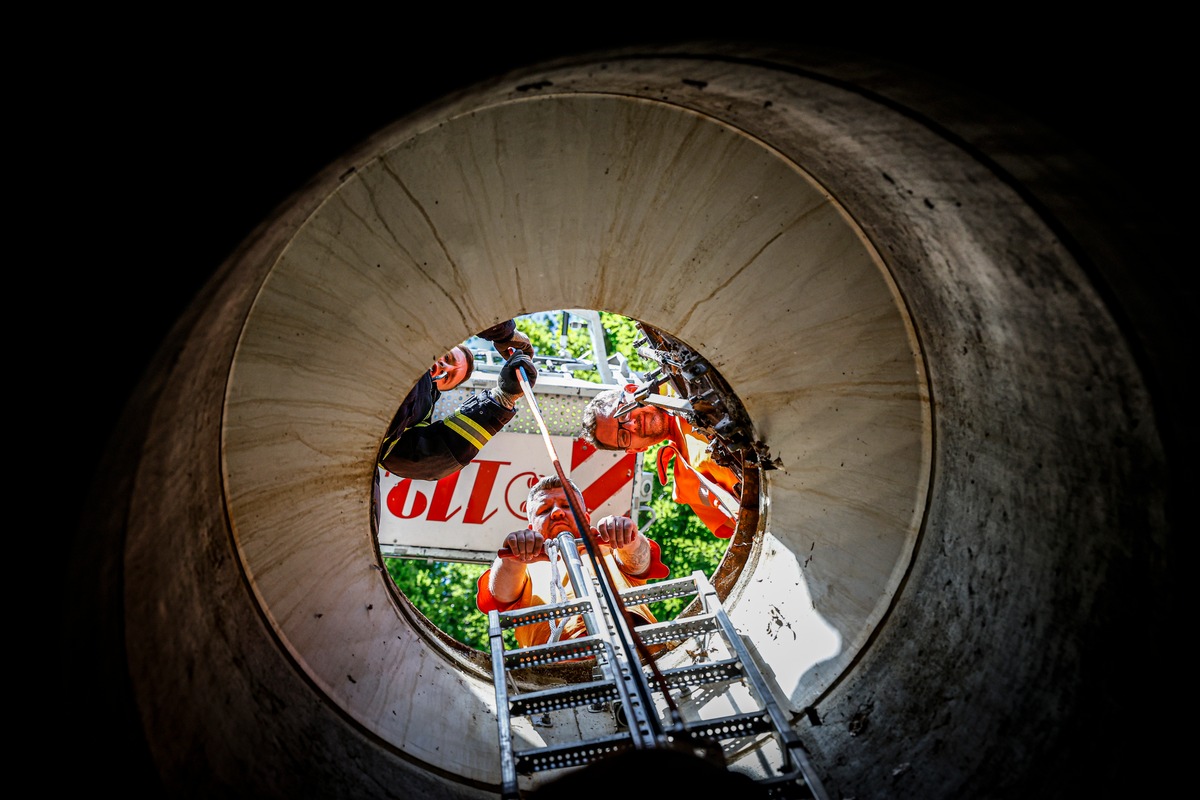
<point>556,202</point>
<point>960,420</point>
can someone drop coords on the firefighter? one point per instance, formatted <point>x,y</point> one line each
<point>417,447</point>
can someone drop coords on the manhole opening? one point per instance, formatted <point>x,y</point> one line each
<point>677,433</point>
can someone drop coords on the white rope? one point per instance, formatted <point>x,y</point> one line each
<point>557,593</point>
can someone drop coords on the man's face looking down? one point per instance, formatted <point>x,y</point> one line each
<point>550,514</point>
<point>450,370</point>
<point>634,432</point>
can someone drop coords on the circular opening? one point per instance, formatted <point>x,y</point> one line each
<point>416,248</point>
<point>436,538</point>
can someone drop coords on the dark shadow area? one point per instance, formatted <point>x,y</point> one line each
<point>687,773</point>
<point>156,159</point>
<point>165,148</point>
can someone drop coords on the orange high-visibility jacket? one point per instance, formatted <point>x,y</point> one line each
<point>537,591</point>
<point>713,491</point>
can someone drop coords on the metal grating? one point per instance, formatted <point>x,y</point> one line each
<point>560,401</point>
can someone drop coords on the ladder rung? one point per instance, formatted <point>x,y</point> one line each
<point>661,632</point>
<point>544,613</point>
<point>734,726</point>
<point>565,650</point>
<point>570,755</point>
<point>650,592</point>
<point>561,697</point>
<point>700,674</point>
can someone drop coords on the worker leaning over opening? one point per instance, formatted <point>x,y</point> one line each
<point>525,575</point>
<point>711,490</point>
<point>417,447</point>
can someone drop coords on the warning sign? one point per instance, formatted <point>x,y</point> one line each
<point>465,516</point>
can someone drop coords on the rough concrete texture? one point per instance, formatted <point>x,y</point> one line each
<point>990,655</point>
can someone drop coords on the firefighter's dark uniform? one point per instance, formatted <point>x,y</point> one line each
<point>418,448</point>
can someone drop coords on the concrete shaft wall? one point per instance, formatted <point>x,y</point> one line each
<point>966,543</point>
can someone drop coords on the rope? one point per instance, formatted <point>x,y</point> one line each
<point>557,593</point>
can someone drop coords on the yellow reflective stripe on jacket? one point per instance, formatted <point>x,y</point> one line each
<point>468,429</point>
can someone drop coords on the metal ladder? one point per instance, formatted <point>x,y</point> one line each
<point>618,678</point>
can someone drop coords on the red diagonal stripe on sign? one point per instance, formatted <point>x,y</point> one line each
<point>613,480</point>
<point>581,451</point>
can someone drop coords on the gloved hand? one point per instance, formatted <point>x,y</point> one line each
<point>508,381</point>
<point>519,342</point>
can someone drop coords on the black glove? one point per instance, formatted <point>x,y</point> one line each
<point>508,382</point>
<point>519,342</point>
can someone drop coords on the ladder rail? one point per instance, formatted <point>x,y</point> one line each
<point>617,679</point>
<point>788,738</point>
<point>644,727</point>
<point>509,788</point>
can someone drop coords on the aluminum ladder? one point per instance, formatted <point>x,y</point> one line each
<point>620,679</point>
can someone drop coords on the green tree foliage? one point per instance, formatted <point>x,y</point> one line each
<point>445,591</point>
<point>685,544</point>
<point>619,335</point>
<point>546,333</point>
